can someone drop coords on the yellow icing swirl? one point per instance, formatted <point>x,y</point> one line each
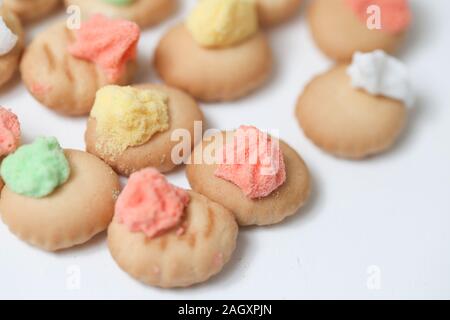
<point>223,23</point>
<point>127,117</point>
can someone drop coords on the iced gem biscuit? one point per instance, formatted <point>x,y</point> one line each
<point>128,117</point>
<point>40,176</point>
<point>11,44</point>
<point>343,27</point>
<point>74,64</point>
<point>259,178</point>
<point>178,238</point>
<point>143,12</point>
<point>219,54</point>
<point>9,135</point>
<point>380,74</point>
<point>110,44</point>
<point>366,107</point>
<point>46,192</point>
<point>131,128</point>
<point>151,205</point>
<point>253,162</point>
<point>273,12</point>
<point>31,10</point>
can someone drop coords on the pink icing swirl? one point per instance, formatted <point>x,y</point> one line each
<point>150,204</point>
<point>108,43</point>
<point>254,162</point>
<point>395,14</point>
<point>9,132</point>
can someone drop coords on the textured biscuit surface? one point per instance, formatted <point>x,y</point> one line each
<point>282,203</point>
<point>339,33</point>
<point>143,12</point>
<point>213,74</point>
<point>30,10</point>
<point>345,121</point>
<point>10,61</point>
<point>183,112</point>
<point>72,214</point>
<point>60,81</point>
<point>272,12</point>
<point>178,259</point>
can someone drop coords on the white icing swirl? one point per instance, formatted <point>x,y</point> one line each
<point>8,39</point>
<point>380,74</point>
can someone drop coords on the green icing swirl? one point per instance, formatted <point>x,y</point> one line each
<point>37,169</point>
<point>119,2</point>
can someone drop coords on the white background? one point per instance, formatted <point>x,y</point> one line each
<point>391,212</point>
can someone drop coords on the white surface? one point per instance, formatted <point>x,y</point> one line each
<point>391,212</point>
